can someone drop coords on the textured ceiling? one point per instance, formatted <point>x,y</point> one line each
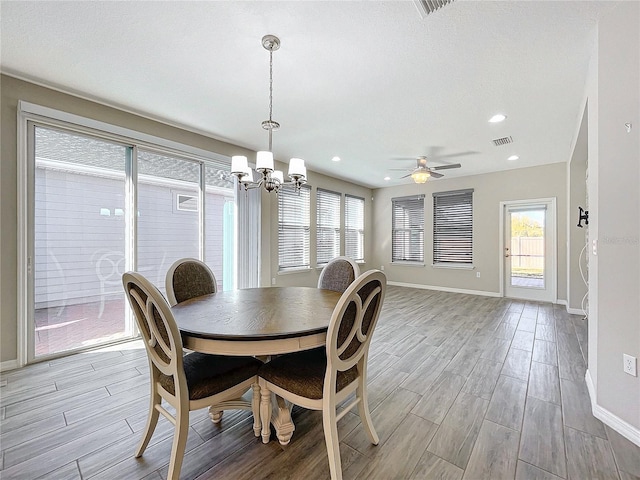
<point>367,81</point>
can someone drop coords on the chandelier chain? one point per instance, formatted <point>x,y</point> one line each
<point>270,84</point>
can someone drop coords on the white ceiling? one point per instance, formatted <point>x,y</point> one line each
<point>367,81</point>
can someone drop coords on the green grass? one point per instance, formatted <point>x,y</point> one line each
<point>527,272</point>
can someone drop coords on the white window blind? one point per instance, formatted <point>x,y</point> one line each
<point>453,228</point>
<point>407,225</point>
<point>294,228</point>
<point>354,227</point>
<point>328,225</point>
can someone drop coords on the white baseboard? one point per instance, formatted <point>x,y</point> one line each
<point>575,311</point>
<point>446,289</point>
<point>572,311</point>
<point>8,365</point>
<point>625,429</point>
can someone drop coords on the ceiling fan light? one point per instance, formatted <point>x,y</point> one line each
<point>420,176</point>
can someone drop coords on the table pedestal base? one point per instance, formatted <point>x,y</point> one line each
<point>253,405</point>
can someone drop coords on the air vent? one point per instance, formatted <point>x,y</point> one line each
<point>502,141</point>
<point>425,7</point>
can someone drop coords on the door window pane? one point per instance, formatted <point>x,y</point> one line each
<point>168,213</point>
<point>79,241</point>
<point>527,248</point>
<point>219,235</point>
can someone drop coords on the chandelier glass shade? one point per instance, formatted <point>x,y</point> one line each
<point>268,177</point>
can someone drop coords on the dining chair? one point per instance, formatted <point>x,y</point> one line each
<point>189,382</point>
<point>188,278</point>
<point>338,274</point>
<point>319,379</point>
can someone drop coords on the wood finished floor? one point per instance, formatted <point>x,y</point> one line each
<point>460,386</point>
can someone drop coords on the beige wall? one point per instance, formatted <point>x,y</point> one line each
<point>577,188</point>
<point>12,90</point>
<point>489,190</point>
<point>614,207</point>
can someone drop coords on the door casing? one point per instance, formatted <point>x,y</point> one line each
<point>550,231</point>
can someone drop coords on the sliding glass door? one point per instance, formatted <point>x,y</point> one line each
<point>79,241</point>
<point>100,208</point>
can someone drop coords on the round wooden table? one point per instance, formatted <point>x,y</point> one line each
<point>258,322</point>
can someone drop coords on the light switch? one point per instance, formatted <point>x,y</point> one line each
<point>595,247</point>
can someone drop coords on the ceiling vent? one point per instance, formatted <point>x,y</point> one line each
<point>425,7</point>
<point>502,141</point>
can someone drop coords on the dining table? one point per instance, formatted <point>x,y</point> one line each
<point>260,322</point>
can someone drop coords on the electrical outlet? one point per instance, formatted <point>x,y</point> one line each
<point>629,363</point>
<point>273,281</point>
<point>382,268</point>
<point>477,274</point>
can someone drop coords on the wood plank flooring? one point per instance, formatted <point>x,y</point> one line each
<point>460,386</point>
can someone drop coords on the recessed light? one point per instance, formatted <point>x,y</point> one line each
<point>387,178</point>
<point>335,159</point>
<point>513,157</point>
<point>497,118</point>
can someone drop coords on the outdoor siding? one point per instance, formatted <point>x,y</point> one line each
<point>80,253</point>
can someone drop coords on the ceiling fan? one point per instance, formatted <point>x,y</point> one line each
<point>422,173</point>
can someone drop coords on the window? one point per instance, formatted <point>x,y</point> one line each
<point>354,227</point>
<point>186,202</point>
<point>407,225</point>
<point>453,228</point>
<point>294,228</point>
<point>328,225</point>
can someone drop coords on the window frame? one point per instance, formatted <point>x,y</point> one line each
<point>453,203</point>
<point>413,207</point>
<point>305,226</point>
<point>331,226</point>
<point>357,228</point>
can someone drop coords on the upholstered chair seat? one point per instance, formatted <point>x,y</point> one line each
<point>303,373</point>
<point>208,375</point>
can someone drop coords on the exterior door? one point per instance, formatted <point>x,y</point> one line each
<point>529,250</point>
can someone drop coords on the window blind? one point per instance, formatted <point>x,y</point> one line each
<point>407,236</point>
<point>294,228</point>
<point>328,225</point>
<point>453,227</point>
<point>354,227</point>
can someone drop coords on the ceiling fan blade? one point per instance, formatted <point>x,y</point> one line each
<point>436,174</point>
<point>399,169</point>
<point>446,167</point>
<point>407,175</point>
<point>453,155</point>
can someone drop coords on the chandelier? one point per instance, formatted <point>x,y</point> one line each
<point>268,177</point>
